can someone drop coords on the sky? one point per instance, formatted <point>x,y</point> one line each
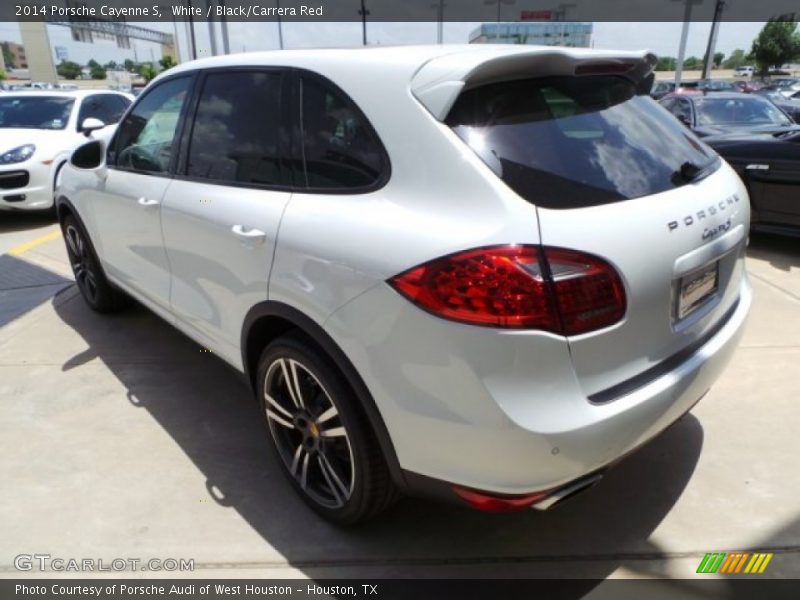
<point>661,38</point>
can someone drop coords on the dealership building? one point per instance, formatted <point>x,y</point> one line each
<point>540,33</point>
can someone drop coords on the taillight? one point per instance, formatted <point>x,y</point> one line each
<point>520,287</point>
<point>497,503</point>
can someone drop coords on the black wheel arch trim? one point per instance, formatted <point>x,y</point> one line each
<point>64,201</point>
<point>319,336</point>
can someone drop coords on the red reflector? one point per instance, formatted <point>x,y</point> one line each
<point>522,287</point>
<point>492,503</point>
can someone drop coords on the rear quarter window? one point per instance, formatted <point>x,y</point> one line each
<point>568,142</point>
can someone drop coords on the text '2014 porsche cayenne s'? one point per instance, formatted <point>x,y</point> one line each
<point>475,273</point>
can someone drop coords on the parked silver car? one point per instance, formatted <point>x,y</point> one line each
<point>476,273</point>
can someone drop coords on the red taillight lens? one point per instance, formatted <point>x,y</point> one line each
<point>522,287</point>
<point>501,287</point>
<point>494,503</point>
<point>589,292</point>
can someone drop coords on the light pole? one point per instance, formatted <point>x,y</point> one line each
<point>439,6</point>
<point>708,63</point>
<point>363,12</point>
<point>499,4</point>
<point>562,16</point>
<point>226,46</point>
<point>280,24</point>
<point>687,19</point>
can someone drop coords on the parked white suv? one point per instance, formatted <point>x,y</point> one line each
<point>38,132</point>
<point>475,273</point>
<point>744,71</point>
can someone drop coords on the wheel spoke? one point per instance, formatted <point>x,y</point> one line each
<point>304,474</point>
<point>328,414</point>
<point>338,488</point>
<point>277,406</point>
<point>333,432</point>
<point>71,234</point>
<point>291,382</point>
<point>298,455</point>
<point>278,419</point>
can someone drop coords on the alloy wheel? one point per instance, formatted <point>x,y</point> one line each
<point>309,433</point>
<point>81,261</point>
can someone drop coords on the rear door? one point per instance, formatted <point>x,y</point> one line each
<point>220,216</point>
<point>616,176</point>
<point>775,182</point>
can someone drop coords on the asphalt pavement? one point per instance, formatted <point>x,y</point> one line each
<point>121,438</point>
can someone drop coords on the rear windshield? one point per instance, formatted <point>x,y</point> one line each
<point>568,142</point>
<point>747,110</point>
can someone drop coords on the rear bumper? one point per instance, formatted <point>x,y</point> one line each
<point>503,412</point>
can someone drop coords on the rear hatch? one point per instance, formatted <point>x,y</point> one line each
<point>615,176</point>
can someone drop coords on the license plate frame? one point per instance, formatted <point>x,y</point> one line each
<point>695,289</point>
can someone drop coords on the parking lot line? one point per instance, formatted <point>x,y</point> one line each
<point>22,248</point>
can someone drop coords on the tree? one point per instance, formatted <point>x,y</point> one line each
<point>666,63</point>
<point>2,75</point>
<point>147,71</point>
<point>97,71</point>
<point>735,60</point>
<point>111,65</point>
<point>8,58</point>
<point>692,63</point>
<point>129,65</point>
<point>718,58</point>
<point>167,62</point>
<point>92,63</point>
<point>777,43</point>
<point>68,69</point>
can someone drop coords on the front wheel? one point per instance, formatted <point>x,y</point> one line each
<point>89,277</point>
<point>325,443</point>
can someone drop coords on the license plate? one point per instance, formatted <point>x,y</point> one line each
<point>696,288</point>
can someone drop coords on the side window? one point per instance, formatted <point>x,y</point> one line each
<point>106,107</point>
<point>236,131</point>
<point>146,137</point>
<point>340,148</point>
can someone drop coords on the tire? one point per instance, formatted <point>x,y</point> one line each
<point>96,290</point>
<point>319,430</point>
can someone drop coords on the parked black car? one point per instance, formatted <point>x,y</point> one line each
<point>661,89</point>
<point>791,106</point>
<point>769,165</point>
<point>727,112</point>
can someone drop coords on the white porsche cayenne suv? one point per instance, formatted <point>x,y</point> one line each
<point>482,274</point>
<point>38,132</point>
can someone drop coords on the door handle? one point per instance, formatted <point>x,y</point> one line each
<point>147,202</point>
<point>248,233</point>
<point>757,167</point>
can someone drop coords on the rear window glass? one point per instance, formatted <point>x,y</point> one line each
<point>568,142</point>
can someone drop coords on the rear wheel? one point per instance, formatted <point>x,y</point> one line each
<point>325,443</point>
<point>96,290</point>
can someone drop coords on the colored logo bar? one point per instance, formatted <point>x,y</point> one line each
<point>734,562</point>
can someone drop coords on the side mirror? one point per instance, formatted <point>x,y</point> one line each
<point>90,156</point>
<point>685,120</point>
<point>91,124</point>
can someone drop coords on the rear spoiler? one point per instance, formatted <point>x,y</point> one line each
<point>439,82</point>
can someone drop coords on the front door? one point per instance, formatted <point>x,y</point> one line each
<point>129,201</point>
